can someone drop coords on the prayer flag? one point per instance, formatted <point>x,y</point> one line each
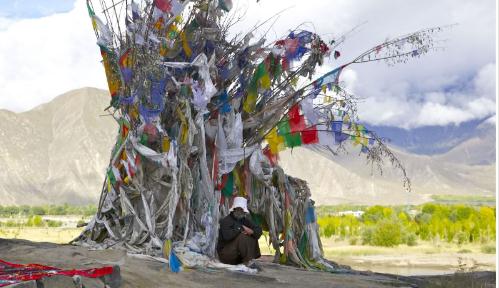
<point>293,140</point>
<point>297,124</point>
<point>163,5</point>
<point>337,126</point>
<point>310,135</point>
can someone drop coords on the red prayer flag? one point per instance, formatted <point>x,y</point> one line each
<point>163,5</point>
<point>294,112</point>
<point>296,121</point>
<point>298,124</point>
<point>310,135</point>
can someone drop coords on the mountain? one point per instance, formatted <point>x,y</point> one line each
<point>431,140</point>
<point>58,153</point>
<point>349,179</point>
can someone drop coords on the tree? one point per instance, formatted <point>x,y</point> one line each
<point>203,115</point>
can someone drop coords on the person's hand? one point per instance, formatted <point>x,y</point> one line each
<point>247,230</point>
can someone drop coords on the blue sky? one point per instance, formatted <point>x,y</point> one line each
<point>20,9</point>
<point>48,48</point>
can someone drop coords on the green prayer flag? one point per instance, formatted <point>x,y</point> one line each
<point>110,174</point>
<point>292,139</point>
<point>228,189</point>
<point>283,127</point>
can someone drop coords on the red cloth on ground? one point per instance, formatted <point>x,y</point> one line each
<point>12,273</point>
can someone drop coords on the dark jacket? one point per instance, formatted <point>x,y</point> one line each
<point>230,227</point>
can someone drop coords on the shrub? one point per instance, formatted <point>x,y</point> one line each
<point>410,239</point>
<point>35,221</point>
<point>387,233</point>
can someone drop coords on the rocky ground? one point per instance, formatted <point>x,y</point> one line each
<point>137,272</point>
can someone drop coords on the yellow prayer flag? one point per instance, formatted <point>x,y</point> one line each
<point>250,102</point>
<point>185,133</point>
<point>265,81</point>
<point>275,141</point>
<point>166,144</point>
<point>185,45</point>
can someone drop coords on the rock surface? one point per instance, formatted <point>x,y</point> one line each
<point>137,272</point>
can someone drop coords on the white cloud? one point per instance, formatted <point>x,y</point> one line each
<point>438,114</point>
<point>44,57</point>
<point>485,81</point>
<point>400,105</point>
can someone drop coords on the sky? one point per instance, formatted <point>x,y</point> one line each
<point>48,48</point>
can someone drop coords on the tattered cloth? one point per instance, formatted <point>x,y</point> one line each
<point>11,273</point>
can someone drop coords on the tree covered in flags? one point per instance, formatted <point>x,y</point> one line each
<point>203,115</point>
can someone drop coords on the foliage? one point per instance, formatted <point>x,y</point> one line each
<point>391,226</point>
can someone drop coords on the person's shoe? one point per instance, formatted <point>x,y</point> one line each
<point>255,265</point>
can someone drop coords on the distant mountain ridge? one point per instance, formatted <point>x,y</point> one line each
<point>431,140</point>
<point>58,152</point>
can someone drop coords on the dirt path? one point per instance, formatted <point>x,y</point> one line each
<point>137,272</point>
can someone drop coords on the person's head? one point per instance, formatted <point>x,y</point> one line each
<point>239,207</point>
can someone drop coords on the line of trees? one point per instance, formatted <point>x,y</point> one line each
<point>66,209</point>
<point>391,226</point>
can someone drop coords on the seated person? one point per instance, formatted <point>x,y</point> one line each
<point>238,235</point>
